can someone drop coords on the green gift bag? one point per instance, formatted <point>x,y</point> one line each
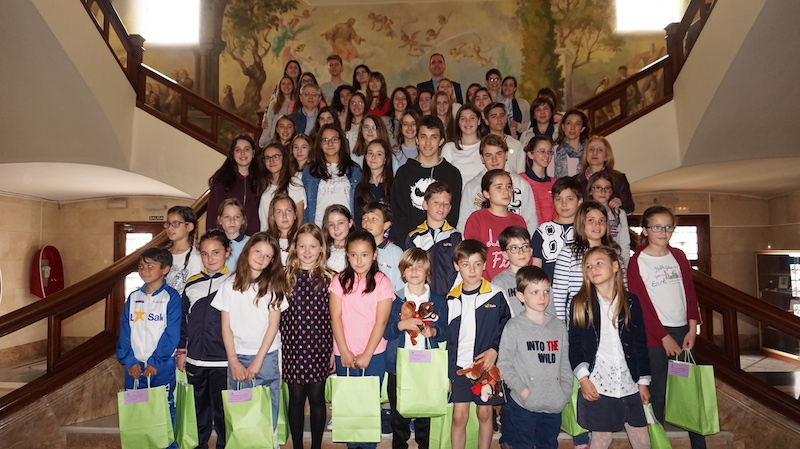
<point>248,418</point>
<point>422,383</point>
<point>283,415</point>
<point>658,436</point>
<point>442,425</point>
<point>185,413</point>
<point>144,419</point>
<point>691,401</point>
<point>569,416</point>
<point>329,387</point>
<point>356,409</point>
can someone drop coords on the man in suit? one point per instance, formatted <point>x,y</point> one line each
<point>437,67</point>
<point>304,119</point>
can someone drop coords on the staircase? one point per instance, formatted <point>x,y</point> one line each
<point>73,402</point>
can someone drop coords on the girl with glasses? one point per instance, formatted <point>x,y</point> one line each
<point>279,180</point>
<point>372,127</point>
<point>661,277</point>
<point>181,227</point>
<point>598,156</point>
<point>600,189</point>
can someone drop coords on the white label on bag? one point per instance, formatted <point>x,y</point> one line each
<point>419,356</point>
<point>236,396</point>
<point>678,369</point>
<point>135,396</point>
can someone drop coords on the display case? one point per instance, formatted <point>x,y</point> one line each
<point>778,283</point>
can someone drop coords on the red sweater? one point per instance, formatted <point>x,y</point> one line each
<point>543,198</point>
<point>486,227</point>
<point>653,327</point>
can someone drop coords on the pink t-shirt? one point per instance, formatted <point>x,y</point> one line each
<point>486,227</point>
<point>359,311</point>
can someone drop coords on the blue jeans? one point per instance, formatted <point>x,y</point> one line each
<point>377,366</point>
<point>268,376</point>
<point>524,429</point>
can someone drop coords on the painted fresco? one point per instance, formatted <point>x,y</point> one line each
<point>568,45</point>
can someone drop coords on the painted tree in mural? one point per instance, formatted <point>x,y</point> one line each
<point>582,28</point>
<point>250,23</point>
<point>539,59</point>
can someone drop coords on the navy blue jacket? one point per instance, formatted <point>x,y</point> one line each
<point>491,315</point>
<point>201,327</point>
<point>456,88</point>
<point>583,342</point>
<point>395,338</point>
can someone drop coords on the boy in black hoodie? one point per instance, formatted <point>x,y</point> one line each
<point>414,177</point>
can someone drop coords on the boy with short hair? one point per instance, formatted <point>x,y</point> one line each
<point>377,219</point>
<point>515,243</point>
<point>335,67</point>
<point>534,361</point>
<point>494,156</point>
<point>551,237</point>
<point>415,266</point>
<point>413,177</point>
<point>150,326</point>
<point>477,313</point>
<point>437,236</point>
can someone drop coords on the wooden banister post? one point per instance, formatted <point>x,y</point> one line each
<point>674,49</point>
<point>135,59</point>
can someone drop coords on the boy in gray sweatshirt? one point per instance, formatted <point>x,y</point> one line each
<point>534,363</point>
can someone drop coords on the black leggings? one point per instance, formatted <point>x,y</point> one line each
<point>315,393</point>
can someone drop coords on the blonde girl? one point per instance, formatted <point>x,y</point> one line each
<point>306,333</point>
<point>251,302</point>
<point>232,221</point>
<point>608,354</point>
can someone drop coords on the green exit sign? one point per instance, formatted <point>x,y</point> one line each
<point>156,218</point>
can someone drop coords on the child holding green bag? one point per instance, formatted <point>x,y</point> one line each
<point>661,277</point>
<point>361,299</point>
<point>415,269</point>
<point>608,354</point>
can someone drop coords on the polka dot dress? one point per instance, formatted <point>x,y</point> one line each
<point>306,333</point>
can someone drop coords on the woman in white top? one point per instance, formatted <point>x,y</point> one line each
<point>279,179</point>
<point>278,107</point>
<point>464,150</point>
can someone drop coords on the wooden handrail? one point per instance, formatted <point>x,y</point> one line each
<point>731,304</point>
<point>216,135</point>
<point>668,67</point>
<point>63,367</point>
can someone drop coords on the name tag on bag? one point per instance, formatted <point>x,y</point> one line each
<point>419,356</point>
<point>135,396</point>
<point>678,369</point>
<point>236,396</point>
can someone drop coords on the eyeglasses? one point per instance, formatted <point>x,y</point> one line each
<point>356,103</point>
<point>361,72</point>
<point>310,94</point>
<point>516,249</point>
<point>274,157</point>
<point>494,78</point>
<point>657,229</point>
<point>603,189</point>
<point>174,224</point>
<point>333,140</point>
<point>369,127</point>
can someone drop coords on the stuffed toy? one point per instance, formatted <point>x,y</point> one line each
<point>486,383</point>
<point>425,313</point>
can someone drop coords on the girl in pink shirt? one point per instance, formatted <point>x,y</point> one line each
<point>361,300</point>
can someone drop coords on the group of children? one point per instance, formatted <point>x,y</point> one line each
<point>297,301</point>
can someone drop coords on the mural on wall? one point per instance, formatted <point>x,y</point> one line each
<point>569,45</point>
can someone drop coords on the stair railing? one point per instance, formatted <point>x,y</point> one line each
<point>631,98</point>
<point>720,342</point>
<point>63,363</point>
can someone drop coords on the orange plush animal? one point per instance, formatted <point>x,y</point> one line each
<point>409,310</point>
<point>486,383</point>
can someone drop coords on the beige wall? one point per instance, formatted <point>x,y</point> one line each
<point>82,232</point>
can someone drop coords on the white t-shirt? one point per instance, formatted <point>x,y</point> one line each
<point>338,259</point>
<point>425,297</point>
<point>249,322</point>
<point>611,374</point>
<point>467,160</point>
<point>335,190</point>
<point>466,332</point>
<point>664,282</point>
<point>296,192</point>
<point>181,271</point>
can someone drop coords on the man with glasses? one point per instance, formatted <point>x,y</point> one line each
<point>304,119</point>
<point>494,155</point>
<point>437,67</point>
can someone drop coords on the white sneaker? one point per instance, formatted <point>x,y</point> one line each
<point>330,424</point>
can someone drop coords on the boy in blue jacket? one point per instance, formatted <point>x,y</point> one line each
<point>150,327</point>
<point>415,268</point>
